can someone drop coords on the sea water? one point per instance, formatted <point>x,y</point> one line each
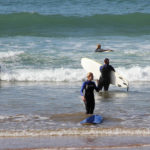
<point>41,45</point>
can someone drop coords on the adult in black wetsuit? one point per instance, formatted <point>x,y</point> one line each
<point>88,96</point>
<point>105,79</point>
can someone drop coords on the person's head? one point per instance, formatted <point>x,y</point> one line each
<point>106,61</point>
<point>99,46</point>
<point>90,76</point>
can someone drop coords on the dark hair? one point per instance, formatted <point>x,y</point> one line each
<point>106,60</point>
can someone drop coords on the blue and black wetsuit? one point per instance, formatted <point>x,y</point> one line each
<point>89,87</point>
<point>105,78</point>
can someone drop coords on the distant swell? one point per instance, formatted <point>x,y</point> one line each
<point>33,24</point>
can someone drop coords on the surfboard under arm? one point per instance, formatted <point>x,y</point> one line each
<point>92,66</point>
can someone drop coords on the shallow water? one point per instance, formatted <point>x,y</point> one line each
<point>77,142</point>
<point>56,109</point>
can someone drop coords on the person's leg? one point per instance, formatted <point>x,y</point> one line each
<point>86,107</point>
<point>106,87</point>
<point>92,106</point>
<point>100,84</point>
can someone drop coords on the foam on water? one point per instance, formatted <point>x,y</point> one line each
<point>77,131</point>
<point>136,73</point>
<point>54,75</point>
<point>22,118</point>
<point>10,54</point>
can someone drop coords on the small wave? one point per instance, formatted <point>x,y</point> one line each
<point>21,118</point>
<point>69,75</point>
<point>135,53</point>
<point>78,131</point>
<point>9,54</point>
<point>53,75</point>
<point>136,73</point>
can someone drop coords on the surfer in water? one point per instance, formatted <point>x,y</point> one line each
<point>104,80</point>
<point>88,96</point>
<point>99,49</point>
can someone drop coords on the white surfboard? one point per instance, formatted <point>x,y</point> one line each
<point>92,66</point>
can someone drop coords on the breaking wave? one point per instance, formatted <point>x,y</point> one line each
<point>52,75</point>
<point>70,75</point>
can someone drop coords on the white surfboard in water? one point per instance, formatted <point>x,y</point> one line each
<point>92,66</point>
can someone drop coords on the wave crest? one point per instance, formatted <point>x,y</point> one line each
<point>136,73</point>
<point>53,75</point>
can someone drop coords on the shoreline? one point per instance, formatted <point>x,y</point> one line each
<point>84,131</point>
<point>75,142</point>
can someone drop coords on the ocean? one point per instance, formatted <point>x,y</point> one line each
<point>41,46</point>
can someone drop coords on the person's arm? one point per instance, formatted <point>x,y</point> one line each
<point>112,68</point>
<point>81,91</point>
<point>101,67</point>
<point>96,88</point>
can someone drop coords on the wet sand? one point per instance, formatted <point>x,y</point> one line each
<point>76,142</point>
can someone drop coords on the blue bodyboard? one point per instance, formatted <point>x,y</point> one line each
<point>94,119</point>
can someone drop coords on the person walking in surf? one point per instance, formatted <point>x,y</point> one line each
<point>105,78</point>
<point>88,95</point>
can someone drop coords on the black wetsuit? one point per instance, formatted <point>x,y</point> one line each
<point>103,50</point>
<point>100,50</point>
<point>89,87</point>
<point>105,79</point>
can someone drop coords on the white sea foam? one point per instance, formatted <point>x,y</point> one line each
<point>70,75</point>
<point>54,75</point>
<point>136,73</point>
<point>10,54</point>
<point>77,131</point>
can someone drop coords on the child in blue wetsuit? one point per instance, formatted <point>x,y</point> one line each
<point>88,96</point>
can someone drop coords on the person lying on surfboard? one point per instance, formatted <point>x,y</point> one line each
<point>88,96</point>
<point>104,80</point>
<point>99,49</point>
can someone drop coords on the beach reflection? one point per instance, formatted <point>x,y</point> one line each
<point>111,95</point>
